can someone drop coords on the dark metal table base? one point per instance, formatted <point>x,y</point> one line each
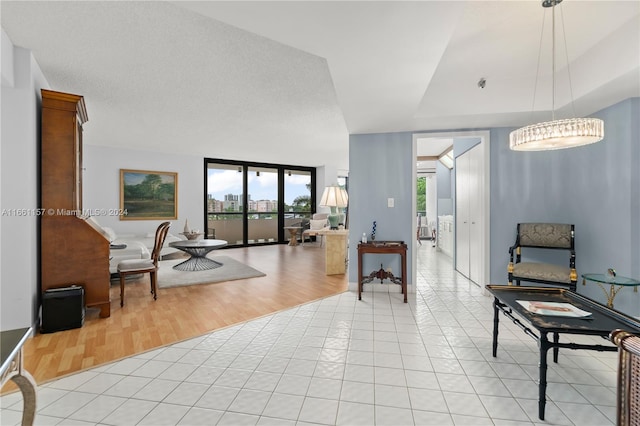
<point>198,260</point>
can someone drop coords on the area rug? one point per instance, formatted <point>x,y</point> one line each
<point>230,270</point>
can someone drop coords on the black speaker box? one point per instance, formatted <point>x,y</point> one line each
<point>62,309</point>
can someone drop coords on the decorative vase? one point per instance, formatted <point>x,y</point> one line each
<point>187,230</point>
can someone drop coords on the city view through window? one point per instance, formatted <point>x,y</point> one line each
<point>276,197</point>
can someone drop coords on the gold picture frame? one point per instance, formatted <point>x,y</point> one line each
<point>148,195</point>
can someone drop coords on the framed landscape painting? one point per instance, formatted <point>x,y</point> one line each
<point>148,195</point>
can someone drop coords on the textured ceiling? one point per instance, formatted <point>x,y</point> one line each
<point>286,82</point>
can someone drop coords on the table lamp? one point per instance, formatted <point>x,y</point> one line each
<point>334,197</point>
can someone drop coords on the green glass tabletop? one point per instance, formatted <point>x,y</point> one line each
<point>606,279</point>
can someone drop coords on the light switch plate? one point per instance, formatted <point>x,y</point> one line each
<point>390,202</point>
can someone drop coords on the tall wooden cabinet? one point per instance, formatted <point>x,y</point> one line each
<point>73,249</point>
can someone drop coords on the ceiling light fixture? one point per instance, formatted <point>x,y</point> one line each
<point>556,134</point>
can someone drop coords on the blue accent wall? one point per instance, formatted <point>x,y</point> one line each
<point>444,183</point>
<point>596,187</point>
<point>380,167</point>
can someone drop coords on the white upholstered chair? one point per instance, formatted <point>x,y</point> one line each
<point>318,222</point>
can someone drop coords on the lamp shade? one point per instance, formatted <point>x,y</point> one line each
<point>334,196</point>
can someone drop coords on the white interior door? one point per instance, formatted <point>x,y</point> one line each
<point>475,214</point>
<point>462,214</point>
<point>469,214</point>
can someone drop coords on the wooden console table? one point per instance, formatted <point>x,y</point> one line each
<point>11,342</point>
<point>383,247</point>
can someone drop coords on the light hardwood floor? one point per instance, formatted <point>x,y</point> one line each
<point>294,275</point>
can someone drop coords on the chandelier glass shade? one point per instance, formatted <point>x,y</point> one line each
<point>556,134</point>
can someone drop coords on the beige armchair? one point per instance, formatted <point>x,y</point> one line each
<point>318,222</point>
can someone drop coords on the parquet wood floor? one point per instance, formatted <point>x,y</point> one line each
<point>295,275</point>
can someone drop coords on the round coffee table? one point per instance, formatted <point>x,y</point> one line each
<point>198,249</point>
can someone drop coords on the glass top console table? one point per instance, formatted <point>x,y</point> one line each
<point>616,283</point>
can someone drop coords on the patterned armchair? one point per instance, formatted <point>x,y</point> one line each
<point>555,236</point>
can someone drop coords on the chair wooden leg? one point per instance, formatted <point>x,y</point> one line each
<point>154,288</point>
<point>121,289</point>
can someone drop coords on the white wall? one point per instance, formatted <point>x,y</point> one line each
<point>19,176</point>
<point>101,185</point>
<point>595,187</point>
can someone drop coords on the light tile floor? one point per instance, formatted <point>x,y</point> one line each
<point>342,361</point>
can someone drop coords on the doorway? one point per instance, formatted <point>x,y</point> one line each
<point>482,204</point>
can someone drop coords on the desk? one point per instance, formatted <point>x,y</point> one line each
<point>198,250</point>
<point>335,249</point>
<point>601,322</point>
<point>617,283</point>
<point>293,234</point>
<point>11,343</point>
<point>383,247</point>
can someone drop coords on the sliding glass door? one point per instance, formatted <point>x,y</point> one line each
<point>250,203</point>
<point>225,202</point>
<point>297,196</point>
<point>262,194</point>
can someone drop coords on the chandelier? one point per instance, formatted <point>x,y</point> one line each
<point>556,134</point>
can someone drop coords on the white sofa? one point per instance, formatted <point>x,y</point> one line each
<point>137,247</point>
